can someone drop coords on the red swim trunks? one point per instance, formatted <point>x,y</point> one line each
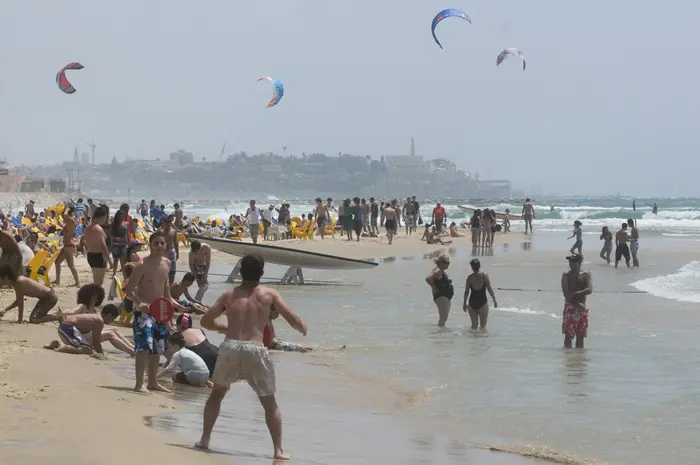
<point>574,324</point>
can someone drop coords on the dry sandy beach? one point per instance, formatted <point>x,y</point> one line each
<point>52,402</point>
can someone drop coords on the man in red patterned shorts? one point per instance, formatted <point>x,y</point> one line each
<point>576,284</point>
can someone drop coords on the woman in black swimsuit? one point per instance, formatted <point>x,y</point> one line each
<point>442,288</point>
<point>197,342</point>
<point>475,300</point>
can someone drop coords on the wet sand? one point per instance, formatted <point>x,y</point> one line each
<point>333,414</point>
<point>60,409</point>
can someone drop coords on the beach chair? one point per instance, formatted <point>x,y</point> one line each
<point>300,230</point>
<point>310,231</point>
<point>45,268</point>
<point>182,237</point>
<point>330,229</point>
<point>31,271</point>
<point>124,317</point>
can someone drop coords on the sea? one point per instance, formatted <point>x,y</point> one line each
<point>385,385</point>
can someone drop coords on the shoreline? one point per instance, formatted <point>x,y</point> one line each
<point>51,398</point>
<point>42,387</point>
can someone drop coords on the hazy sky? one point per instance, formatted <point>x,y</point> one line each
<point>609,101</point>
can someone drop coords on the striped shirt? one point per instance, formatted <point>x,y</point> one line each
<point>80,210</point>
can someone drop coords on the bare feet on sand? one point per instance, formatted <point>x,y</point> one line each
<point>157,387</point>
<point>142,390</point>
<point>203,443</point>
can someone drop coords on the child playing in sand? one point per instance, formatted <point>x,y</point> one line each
<point>25,287</point>
<point>578,234</point>
<point>606,236</point>
<point>188,303</point>
<point>186,366</point>
<point>84,334</point>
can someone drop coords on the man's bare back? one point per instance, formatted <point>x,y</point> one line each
<point>248,311</point>
<point>621,237</point>
<point>389,214</point>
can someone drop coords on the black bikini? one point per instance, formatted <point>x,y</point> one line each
<point>444,286</point>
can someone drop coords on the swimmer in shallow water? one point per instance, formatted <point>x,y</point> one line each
<point>442,288</point>
<point>606,236</point>
<point>475,300</point>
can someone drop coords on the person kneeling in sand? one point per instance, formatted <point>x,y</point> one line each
<point>188,303</point>
<point>25,287</point>
<point>186,366</point>
<point>271,342</point>
<point>85,333</point>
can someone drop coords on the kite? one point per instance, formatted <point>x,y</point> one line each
<point>510,52</point>
<point>63,82</point>
<point>446,14</point>
<point>279,90</point>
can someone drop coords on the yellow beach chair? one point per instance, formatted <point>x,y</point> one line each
<point>330,229</point>
<point>181,237</point>
<point>31,271</point>
<point>124,317</point>
<point>46,267</point>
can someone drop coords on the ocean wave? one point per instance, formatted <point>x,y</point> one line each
<point>682,286</point>
<point>524,311</point>
<point>675,216</point>
<point>545,454</point>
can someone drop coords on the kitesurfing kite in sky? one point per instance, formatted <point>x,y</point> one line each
<point>510,52</point>
<point>61,79</point>
<point>279,90</point>
<point>446,14</point>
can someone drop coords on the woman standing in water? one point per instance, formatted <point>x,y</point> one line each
<point>442,288</point>
<point>475,300</point>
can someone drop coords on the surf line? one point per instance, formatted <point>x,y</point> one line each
<point>516,289</point>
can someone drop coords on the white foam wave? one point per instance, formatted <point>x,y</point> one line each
<point>524,311</point>
<point>682,286</point>
<point>680,234</point>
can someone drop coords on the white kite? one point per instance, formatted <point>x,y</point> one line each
<point>510,52</point>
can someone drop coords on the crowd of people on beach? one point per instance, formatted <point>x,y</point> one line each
<point>142,252</point>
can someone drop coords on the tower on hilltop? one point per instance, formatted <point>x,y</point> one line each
<point>413,147</point>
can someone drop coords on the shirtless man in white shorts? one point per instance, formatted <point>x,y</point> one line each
<point>242,355</point>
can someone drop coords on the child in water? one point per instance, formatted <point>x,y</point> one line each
<point>607,236</point>
<point>578,232</point>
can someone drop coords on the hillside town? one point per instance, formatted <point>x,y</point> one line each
<point>301,175</point>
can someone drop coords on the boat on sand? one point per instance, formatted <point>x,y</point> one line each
<point>499,215</point>
<point>285,256</point>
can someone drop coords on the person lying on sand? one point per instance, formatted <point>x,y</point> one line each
<point>84,334</point>
<point>25,287</point>
<point>186,366</point>
<point>188,303</point>
<point>432,237</point>
<point>271,342</point>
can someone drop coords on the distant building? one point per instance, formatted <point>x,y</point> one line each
<point>181,157</point>
<point>8,182</point>
<point>32,185</point>
<point>85,158</point>
<point>57,185</point>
